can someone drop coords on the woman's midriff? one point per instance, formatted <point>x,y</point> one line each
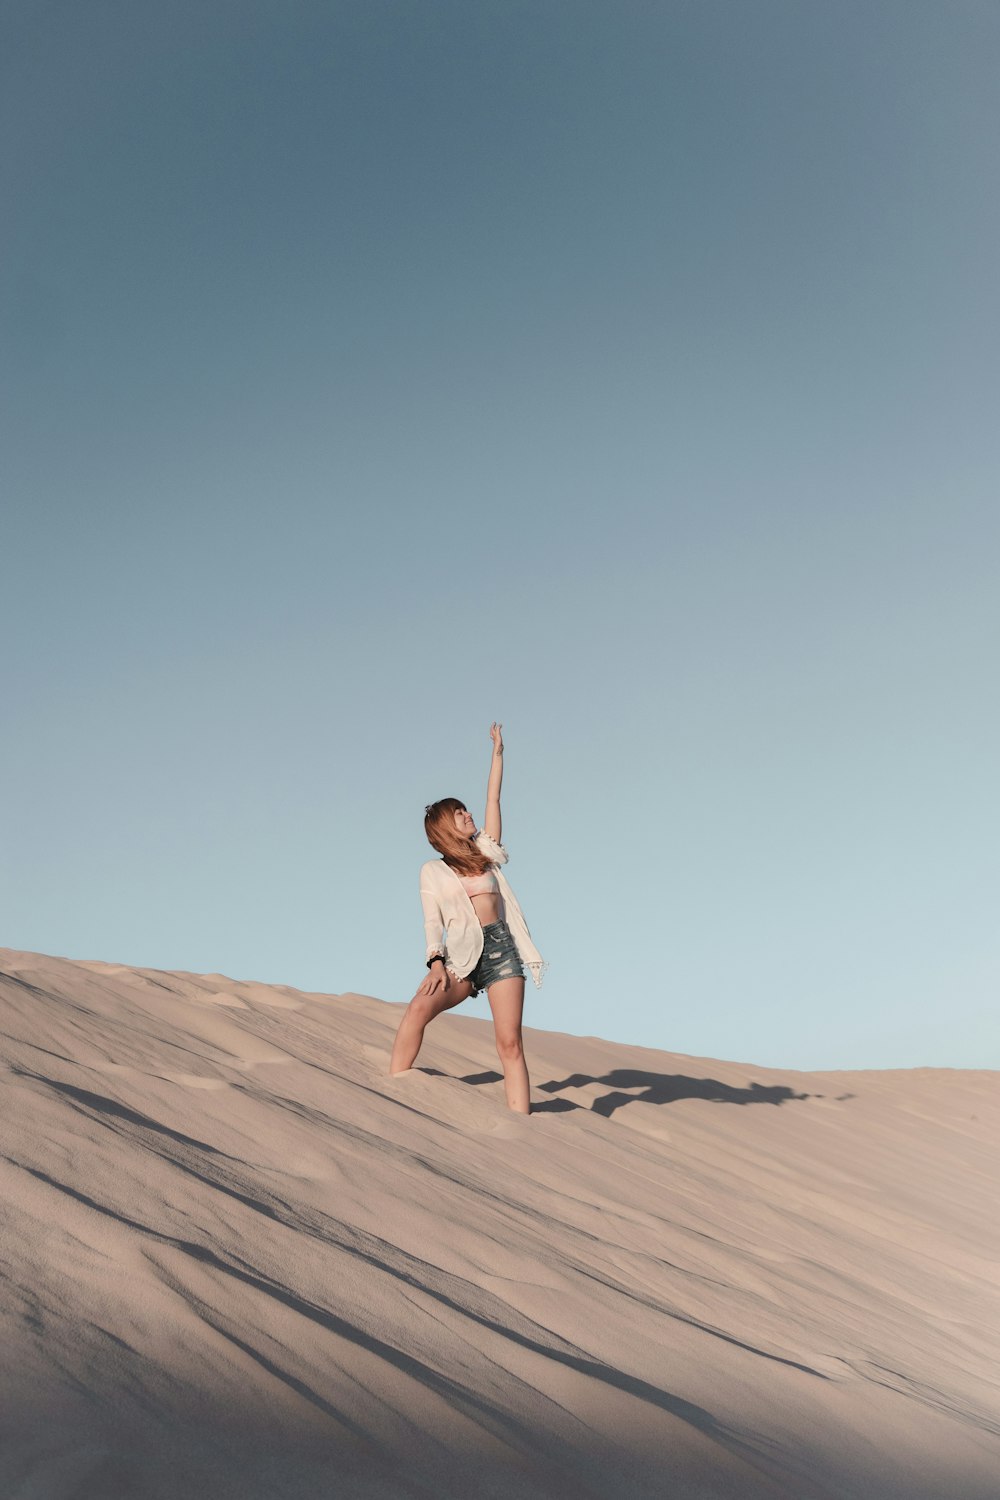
<point>487,908</point>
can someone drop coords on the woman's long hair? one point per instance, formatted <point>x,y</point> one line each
<point>462,854</point>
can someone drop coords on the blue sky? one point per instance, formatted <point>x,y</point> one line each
<point>628,374</point>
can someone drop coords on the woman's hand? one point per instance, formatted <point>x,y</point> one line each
<point>492,823</point>
<point>437,979</point>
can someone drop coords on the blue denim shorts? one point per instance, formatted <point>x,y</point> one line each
<point>499,959</point>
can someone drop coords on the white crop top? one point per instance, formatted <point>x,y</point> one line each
<point>480,885</point>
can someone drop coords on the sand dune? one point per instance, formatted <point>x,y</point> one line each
<point>241,1261</point>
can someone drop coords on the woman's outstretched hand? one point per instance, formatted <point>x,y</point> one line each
<point>492,824</point>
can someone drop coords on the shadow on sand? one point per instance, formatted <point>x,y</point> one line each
<point>651,1088</point>
<point>661,1088</point>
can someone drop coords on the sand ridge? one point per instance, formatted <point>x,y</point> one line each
<point>241,1259</point>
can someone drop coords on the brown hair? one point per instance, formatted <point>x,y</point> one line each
<point>462,854</point>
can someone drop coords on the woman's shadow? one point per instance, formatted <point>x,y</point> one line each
<point>659,1088</point>
<point>655,1088</point>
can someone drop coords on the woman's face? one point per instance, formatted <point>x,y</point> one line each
<point>465,823</point>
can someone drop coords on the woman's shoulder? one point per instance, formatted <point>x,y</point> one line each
<point>494,851</point>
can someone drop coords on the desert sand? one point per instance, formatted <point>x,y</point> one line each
<point>242,1261</point>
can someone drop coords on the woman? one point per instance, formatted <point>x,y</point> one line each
<point>477,938</point>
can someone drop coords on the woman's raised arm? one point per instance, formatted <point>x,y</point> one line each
<point>492,822</point>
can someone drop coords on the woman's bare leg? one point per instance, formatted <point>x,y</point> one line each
<point>421,1010</point>
<point>506,997</point>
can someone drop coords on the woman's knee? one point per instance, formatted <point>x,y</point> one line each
<point>420,1009</point>
<point>509,1045</point>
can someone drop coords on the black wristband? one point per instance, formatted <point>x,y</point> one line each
<point>437,959</point>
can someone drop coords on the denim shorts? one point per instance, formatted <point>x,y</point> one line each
<point>499,960</point>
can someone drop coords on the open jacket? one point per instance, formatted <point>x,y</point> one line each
<point>450,921</point>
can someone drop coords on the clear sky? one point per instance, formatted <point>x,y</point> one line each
<point>627,373</point>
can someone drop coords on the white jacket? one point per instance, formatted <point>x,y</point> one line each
<point>451,923</point>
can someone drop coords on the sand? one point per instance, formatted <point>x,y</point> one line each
<point>240,1260</point>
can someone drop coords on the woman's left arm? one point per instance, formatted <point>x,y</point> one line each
<point>492,823</point>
